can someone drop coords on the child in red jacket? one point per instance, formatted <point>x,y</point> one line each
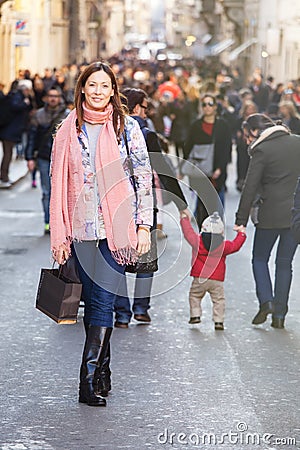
<point>209,251</point>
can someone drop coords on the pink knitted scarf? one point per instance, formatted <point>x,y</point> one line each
<point>67,205</point>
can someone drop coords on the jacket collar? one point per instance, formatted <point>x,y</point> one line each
<point>142,122</point>
<point>266,134</point>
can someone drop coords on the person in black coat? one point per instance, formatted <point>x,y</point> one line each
<point>208,129</point>
<point>295,224</point>
<point>243,158</point>
<point>271,179</point>
<point>137,102</point>
<point>260,92</point>
<point>40,140</point>
<point>20,105</point>
<point>179,112</point>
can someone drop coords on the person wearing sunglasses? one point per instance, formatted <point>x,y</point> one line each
<point>272,175</point>
<point>137,103</point>
<point>208,129</point>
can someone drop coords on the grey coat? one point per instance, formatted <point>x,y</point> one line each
<point>273,172</point>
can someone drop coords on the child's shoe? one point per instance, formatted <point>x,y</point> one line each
<point>33,184</point>
<point>194,320</point>
<point>219,326</point>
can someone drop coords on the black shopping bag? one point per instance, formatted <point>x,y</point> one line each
<point>58,296</point>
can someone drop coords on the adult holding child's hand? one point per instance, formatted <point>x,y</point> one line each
<point>270,182</point>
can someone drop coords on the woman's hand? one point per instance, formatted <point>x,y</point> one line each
<point>216,174</point>
<point>62,254</point>
<point>144,240</point>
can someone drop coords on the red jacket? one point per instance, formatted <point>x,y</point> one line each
<point>205,264</point>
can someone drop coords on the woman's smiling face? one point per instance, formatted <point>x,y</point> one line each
<point>98,90</point>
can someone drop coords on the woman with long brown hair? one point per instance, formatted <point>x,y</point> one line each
<point>95,212</point>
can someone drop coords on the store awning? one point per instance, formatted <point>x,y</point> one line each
<point>236,52</point>
<point>220,47</point>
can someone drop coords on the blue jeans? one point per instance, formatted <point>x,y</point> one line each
<point>221,194</point>
<point>20,146</point>
<point>101,277</point>
<point>44,168</point>
<point>264,241</point>
<point>141,303</point>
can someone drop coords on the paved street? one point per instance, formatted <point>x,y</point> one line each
<point>175,386</point>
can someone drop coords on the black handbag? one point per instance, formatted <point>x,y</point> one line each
<point>59,293</point>
<point>148,262</point>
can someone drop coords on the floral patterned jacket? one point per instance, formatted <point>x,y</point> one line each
<point>138,159</point>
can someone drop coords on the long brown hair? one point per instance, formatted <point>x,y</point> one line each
<point>119,112</point>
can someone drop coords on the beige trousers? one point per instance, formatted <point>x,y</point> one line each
<point>198,289</point>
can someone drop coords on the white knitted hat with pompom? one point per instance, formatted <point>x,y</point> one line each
<point>213,224</point>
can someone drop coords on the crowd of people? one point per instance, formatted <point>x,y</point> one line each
<point>174,93</point>
<point>96,134</point>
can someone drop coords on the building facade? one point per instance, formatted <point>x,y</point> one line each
<point>33,34</point>
<point>269,36</point>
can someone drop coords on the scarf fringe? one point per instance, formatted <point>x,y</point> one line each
<point>127,255</point>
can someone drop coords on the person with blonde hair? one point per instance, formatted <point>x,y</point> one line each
<point>290,116</point>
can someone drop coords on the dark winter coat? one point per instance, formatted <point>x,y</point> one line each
<point>272,173</point>
<point>14,129</point>
<point>222,150</point>
<point>295,225</point>
<point>294,125</point>
<point>159,164</point>
<point>180,124</point>
<point>40,135</point>
<point>260,95</point>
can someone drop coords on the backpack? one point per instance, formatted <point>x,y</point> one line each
<point>6,113</point>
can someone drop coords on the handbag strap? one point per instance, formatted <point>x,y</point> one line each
<point>130,165</point>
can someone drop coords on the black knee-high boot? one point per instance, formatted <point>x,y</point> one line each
<point>102,375</point>
<point>103,378</point>
<point>94,352</point>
